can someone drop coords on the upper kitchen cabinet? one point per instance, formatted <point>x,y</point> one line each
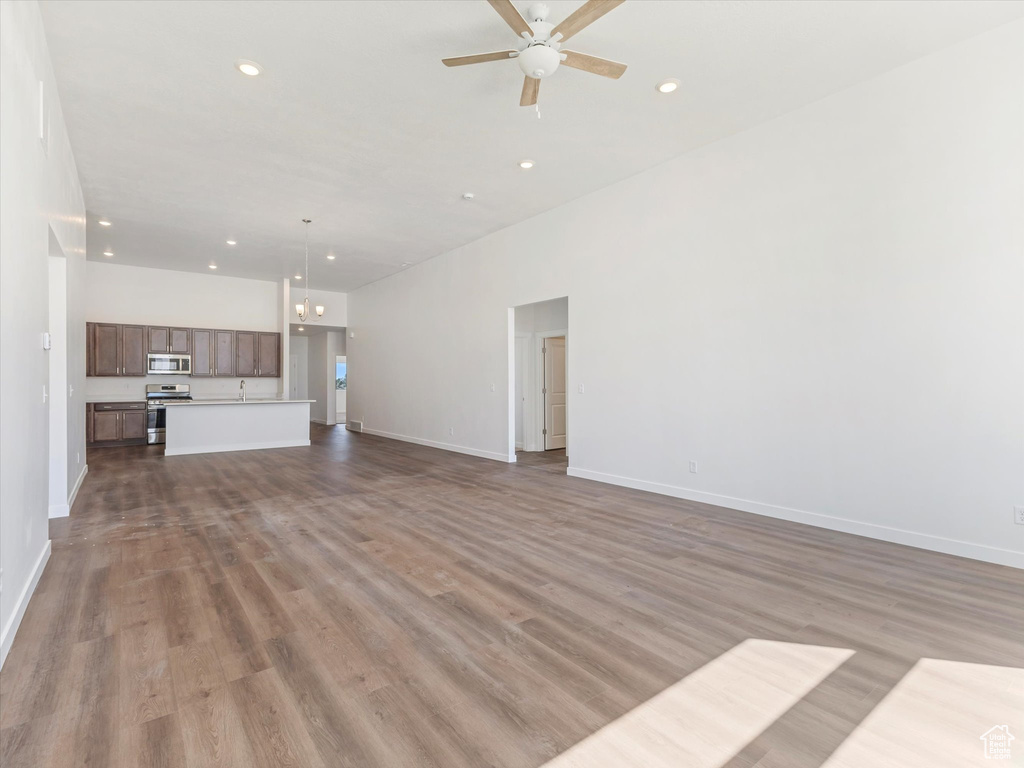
<point>224,353</point>
<point>175,341</point>
<point>133,350</point>
<point>104,348</point>
<point>246,353</point>
<point>269,355</point>
<point>115,350</point>
<point>202,352</point>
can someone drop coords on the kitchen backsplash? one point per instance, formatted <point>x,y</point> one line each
<point>134,387</point>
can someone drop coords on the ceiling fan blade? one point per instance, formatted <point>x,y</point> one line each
<point>531,86</point>
<point>584,16</point>
<point>512,17</point>
<point>476,58</point>
<point>598,66</point>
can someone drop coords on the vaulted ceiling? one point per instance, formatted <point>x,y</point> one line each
<point>356,124</point>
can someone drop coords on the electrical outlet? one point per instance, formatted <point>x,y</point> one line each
<point>492,387</point>
<point>693,467</point>
<point>1018,515</point>
<point>581,389</point>
<point>451,431</point>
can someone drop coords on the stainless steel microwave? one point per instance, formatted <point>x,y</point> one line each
<point>170,364</point>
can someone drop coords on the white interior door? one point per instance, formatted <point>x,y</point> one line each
<point>554,393</point>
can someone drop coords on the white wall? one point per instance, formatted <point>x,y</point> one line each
<point>57,308</point>
<point>123,294</point>
<point>39,190</point>
<point>823,312</point>
<point>300,351</point>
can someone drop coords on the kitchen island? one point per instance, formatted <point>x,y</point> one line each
<point>215,426</point>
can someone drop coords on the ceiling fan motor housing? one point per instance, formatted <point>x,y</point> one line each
<point>540,57</point>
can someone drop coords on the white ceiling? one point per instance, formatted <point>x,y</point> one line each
<point>356,124</point>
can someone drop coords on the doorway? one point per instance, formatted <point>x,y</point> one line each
<point>538,378</point>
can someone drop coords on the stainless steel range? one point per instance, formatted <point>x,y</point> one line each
<point>157,395</point>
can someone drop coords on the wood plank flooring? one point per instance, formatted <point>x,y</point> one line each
<point>365,602</point>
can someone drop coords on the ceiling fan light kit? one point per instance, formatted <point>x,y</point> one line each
<point>539,49</point>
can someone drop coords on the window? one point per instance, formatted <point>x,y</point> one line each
<point>341,376</point>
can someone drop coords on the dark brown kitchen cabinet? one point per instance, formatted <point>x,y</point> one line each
<point>90,357</point>
<point>115,350</point>
<point>269,355</point>
<point>133,350</point>
<point>202,352</point>
<point>116,423</point>
<point>105,348</point>
<point>157,340</point>
<point>106,426</point>
<point>224,353</point>
<point>176,341</point>
<point>133,425</point>
<point>246,353</point>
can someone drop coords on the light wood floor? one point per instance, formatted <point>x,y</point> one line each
<point>366,602</point>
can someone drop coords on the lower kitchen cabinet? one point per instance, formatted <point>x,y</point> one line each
<point>115,423</point>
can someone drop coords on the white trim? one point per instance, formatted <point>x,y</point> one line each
<point>7,638</point>
<point>871,530</point>
<point>320,421</point>
<point>63,510</point>
<point>240,447</point>
<point>495,455</point>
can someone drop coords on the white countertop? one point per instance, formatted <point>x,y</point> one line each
<point>234,401</point>
<point>115,399</point>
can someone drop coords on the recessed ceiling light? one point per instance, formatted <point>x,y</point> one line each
<point>232,242</point>
<point>213,266</point>
<point>468,196</point>
<point>406,264</point>
<point>301,328</point>
<point>103,223</point>
<point>250,68</point>
<point>108,253</point>
<point>667,86</point>
<point>298,277</point>
<point>526,164</point>
<point>331,257</point>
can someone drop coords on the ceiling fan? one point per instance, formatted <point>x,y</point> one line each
<point>539,51</point>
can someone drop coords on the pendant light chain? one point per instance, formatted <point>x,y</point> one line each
<point>302,310</point>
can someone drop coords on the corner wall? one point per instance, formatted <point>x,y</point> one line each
<point>39,190</point>
<point>823,312</point>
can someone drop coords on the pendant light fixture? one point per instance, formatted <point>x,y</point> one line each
<point>302,310</point>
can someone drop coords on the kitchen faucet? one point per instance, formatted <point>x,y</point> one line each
<point>241,386</point>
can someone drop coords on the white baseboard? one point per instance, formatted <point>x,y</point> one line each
<point>871,530</point>
<point>11,628</point>
<point>240,447</point>
<point>78,484</point>
<point>63,510</point>
<point>519,446</point>
<point>503,457</point>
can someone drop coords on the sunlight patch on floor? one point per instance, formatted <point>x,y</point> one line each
<point>935,718</point>
<point>711,714</point>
